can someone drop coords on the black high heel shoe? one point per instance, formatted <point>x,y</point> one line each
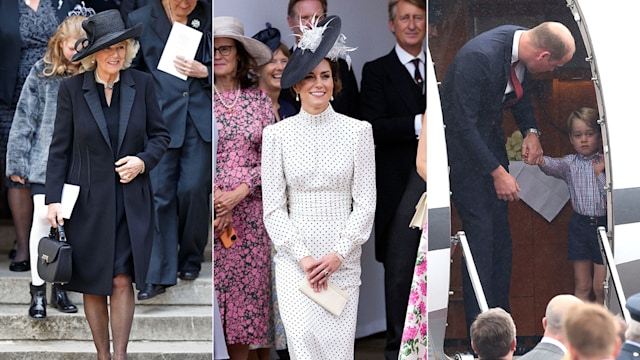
<point>20,266</point>
<point>38,307</point>
<point>60,300</point>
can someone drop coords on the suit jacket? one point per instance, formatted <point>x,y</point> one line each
<point>81,154</point>
<point>629,351</point>
<point>347,100</point>
<point>472,103</point>
<point>390,100</point>
<point>177,97</point>
<point>10,43</point>
<point>544,351</point>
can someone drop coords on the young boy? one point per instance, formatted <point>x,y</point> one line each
<point>584,174</point>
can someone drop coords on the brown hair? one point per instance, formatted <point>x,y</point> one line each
<point>54,61</point>
<point>588,115</point>
<point>292,3</point>
<point>245,63</point>
<point>493,333</point>
<point>422,4</point>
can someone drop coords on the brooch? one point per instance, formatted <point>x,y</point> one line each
<point>195,23</point>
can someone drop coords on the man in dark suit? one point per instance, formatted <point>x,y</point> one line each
<point>300,13</point>
<point>630,350</point>
<point>473,100</point>
<point>553,346</point>
<point>182,180</point>
<point>393,101</point>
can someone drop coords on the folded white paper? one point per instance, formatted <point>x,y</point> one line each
<point>333,299</point>
<point>183,41</point>
<point>69,196</point>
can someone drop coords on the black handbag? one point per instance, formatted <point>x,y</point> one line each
<point>54,257</point>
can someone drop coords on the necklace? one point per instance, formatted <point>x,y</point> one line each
<point>28,2</point>
<point>235,100</point>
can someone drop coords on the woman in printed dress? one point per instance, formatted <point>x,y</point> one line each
<point>241,271</point>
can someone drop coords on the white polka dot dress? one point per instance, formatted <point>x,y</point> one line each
<point>324,165</point>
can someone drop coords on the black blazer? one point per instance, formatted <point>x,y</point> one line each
<point>390,100</point>
<point>10,43</point>
<point>177,97</point>
<point>81,154</point>
<point>472,95</point>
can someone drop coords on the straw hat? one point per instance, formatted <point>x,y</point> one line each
<point>230,27</point>
<point>103,29</point>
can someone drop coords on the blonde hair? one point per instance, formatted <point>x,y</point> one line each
<point>590,329</point>
<point>133,46</point>
<point>54,61</point>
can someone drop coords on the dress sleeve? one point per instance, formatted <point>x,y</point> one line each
<point>363,192</point>
<point>264,114</point>
<point>26,120</point>
<point>61,145</point>
<point>283,233</point>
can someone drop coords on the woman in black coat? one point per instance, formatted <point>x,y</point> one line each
<point>108,135</point>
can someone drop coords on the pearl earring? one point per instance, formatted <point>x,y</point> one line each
<point>331,97</point>
<point>297,96</point>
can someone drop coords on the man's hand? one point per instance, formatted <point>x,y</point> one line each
<point>506,185</point>
<point>531,149</point>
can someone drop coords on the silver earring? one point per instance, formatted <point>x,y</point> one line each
<point>297,96</point>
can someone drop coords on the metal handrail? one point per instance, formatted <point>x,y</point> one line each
<point>603,239</point>
<point>473,273</point>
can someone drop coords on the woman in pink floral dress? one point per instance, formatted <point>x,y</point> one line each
<point>241,271</point>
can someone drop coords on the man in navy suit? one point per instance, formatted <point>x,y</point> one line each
<point>393,101</point>
<point>630,350</point>
<point>477,88</point>
<point>553,344</point>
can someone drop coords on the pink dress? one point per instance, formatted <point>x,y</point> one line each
<point>241,272</point>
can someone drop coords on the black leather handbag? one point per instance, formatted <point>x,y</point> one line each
<point>54,257</point>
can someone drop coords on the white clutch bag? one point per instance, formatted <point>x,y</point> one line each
<point>333,299</point>
<point>420,217</point>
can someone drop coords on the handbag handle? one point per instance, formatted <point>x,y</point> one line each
<point>60,231</point>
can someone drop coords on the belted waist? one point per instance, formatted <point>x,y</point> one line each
<point>320,204</point>
<point>592,220</point>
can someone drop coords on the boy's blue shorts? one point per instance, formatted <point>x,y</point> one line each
<point>583,237</point>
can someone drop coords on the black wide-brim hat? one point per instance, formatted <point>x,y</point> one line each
<point>302,61</point>
<point>103,29</point>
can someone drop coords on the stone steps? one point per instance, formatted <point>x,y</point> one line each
<point>173,326</point>
<point>84,350</point>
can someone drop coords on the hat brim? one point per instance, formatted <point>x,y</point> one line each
<point>108,40</point>
<point>256,49</point>
<point>303,62</point>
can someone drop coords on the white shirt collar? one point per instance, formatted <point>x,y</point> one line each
<point>555,342</point>
<point>516,43</point>
<point>406,58</point>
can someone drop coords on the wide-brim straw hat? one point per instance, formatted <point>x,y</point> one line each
<point>232,28</point>
<point>103,29</point>
<point>303,61</point>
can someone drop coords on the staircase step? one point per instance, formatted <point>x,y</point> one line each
<point>84,350</point>
<point>150,322</point>
<point>14,289</point>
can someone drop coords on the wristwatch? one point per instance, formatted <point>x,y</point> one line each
<point>533,130</point>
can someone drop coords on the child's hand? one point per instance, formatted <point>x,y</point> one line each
<point>598,164</point>
<point>541,161</point>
